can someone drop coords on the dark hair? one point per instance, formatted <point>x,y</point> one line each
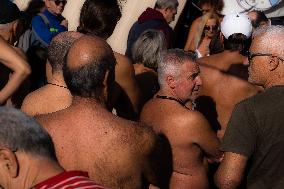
<point>87,80</point>
<point>59,47</point>
<point>259,20</point>
<point>9,12</point>
<point>237,41</point>
<point>217,5</point>
<point>99,17</point>
<point>22,133</point>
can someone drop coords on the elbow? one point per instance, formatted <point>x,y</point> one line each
<point>25,71</point>
<point>226,183</point>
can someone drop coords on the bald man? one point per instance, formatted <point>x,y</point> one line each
<point>54,95</point>
<point>116,152</point>
<point>99,18</point>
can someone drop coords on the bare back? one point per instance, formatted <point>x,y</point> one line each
<point>47,99</point>
<point>88,137</point>
<point>190,137</point>
<point>225,91</point>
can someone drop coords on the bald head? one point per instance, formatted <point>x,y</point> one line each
<point>59,47</point>
<point>87,62</point>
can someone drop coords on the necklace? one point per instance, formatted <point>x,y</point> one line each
<point>57,85</point>
<point>177,100</point>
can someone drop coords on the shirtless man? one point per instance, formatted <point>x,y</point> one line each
<point>99,18</point>
<point>225,91</point>
<point>10,58</point>
<point>28,160</point>
<point>191,138</point>
<point>55,95</point>
<point>113,150</point>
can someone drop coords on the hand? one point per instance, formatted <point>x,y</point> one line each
<point>64,23</point>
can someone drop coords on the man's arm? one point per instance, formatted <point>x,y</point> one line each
<point>14,61</point>
<point>157,164</point>
<point>231,170</point>
<point>203,135</point>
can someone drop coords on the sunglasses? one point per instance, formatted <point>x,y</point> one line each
<point>57,2</point>
<point>214,28</point>
<point>252,55</point>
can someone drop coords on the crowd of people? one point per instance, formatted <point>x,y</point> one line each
<point>77,114</point>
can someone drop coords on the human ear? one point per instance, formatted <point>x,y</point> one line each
<point>171,81</point>
<point>273,62</point>
<point>8,162</point>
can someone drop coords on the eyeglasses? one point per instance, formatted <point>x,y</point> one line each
<point>252,55</point>
<point>214,28</point>
<point>57,2</point>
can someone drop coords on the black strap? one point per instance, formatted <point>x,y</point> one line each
<point>172,98</point>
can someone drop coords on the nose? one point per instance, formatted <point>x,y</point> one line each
<point>246,61</point>
<point>198,81</point>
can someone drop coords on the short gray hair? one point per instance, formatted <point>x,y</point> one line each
<point>269,41</point>
<point>148,47</point>
<point>162,4</point>
<point>22,133</point>
<point>171,62</point>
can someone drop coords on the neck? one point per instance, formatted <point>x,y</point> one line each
<point>57,80</point>
<point>36,170</point>
<point>272,84</point>
<point>79,101</point>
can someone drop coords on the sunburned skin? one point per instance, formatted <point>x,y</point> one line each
<point>192,140</point>
<point>116,152</point>
<point>55,95</point>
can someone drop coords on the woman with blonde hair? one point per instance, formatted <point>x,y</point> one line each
<point>207,29</point>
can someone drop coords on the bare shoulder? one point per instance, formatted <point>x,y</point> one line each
<point>123,62</point>
<point>192,119</point>
<point>33,102</point>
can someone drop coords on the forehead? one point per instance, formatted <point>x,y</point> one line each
<point>211,22</point>
<point>189,67</point>
<point>206,6</point>
<point>255,44</point>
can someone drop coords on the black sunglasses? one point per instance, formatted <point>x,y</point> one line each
<point>57,2</point>
<point>214,28</point>
<point>252,55</point>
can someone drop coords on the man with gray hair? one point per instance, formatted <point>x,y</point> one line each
<point>27,156</point>
<point>253,142</point>
<point>158,18</point>
<point>171,112</point>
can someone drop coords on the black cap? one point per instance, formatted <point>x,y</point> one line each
<point>9,12</point>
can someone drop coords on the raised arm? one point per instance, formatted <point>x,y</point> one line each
<point>125,77</point>
<point>20,69</point>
